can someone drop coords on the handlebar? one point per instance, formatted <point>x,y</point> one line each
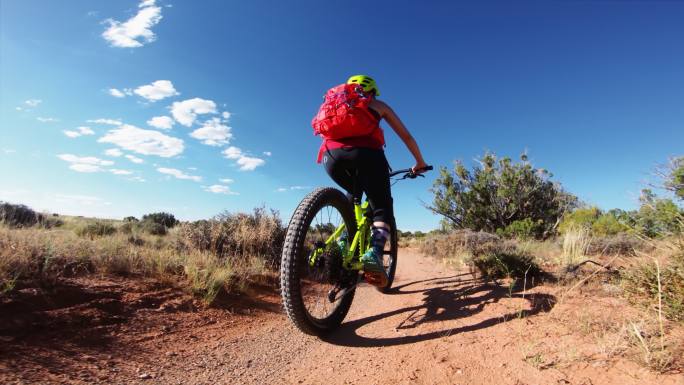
<point>408,173</point>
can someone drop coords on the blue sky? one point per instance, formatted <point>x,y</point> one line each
<point>594,91</point>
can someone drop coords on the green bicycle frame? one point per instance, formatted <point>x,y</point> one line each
<point>360,241</point>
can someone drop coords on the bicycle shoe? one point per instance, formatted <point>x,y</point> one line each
<point>373,270</point>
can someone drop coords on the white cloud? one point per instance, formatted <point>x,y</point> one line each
<point>137,179</point>
<point>33,102</point>
<point>115,152</point>
<point>79,167</point>
<point>186,111</point>
<point>157,90</point>
<point>226,115</point>
<point>146,142</point>
<point>8,151</point>
<point>136,31</point>
<point>219,189</point>
<point>72,134</point>
<point>84,160</point>
<point>18,108</point>
<point>79,132</point>
<point>84,163</point>
<point>111,122</point>
<point>226,180</point>
<point>283,189</point>
<point>116,93</point>
<point>213,133</point>
<point>117,171</point>
<point>232,152</point>
<point>85,130</point>
<point>134,159</point>
<point>161,122</point>
<point>47,120</point>
<point>246,163</point>
<point>268,153</point>
<point>178,174</point>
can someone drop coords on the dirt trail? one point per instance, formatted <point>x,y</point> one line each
<point>437,327</point>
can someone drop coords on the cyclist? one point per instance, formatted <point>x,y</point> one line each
<point>363,158</point>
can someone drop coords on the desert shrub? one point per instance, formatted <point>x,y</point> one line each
<point>622,244</point>
<point>583,217</point>
<point>658,217</point>
<point>237,236</point>
<point>95,229</point>
<point>136,240</point>
<point>165,219</point>
<point>459,244</point>
<point>128,227</point>
<point>130,219</point>
<point>153,228</point>
<point>505,263</point>
<point>486,253</point>
<point>674,177</point>
<point>50,222</point>
<point>16,215</point>
<point>497,193</point>
<point>607,224</point>
<point>522,229</point>
<point>641,285</point>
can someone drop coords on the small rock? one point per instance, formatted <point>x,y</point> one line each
<point>171,354</point>
<point>145,376</point>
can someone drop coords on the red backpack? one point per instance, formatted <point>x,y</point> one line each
<point>344,113</point>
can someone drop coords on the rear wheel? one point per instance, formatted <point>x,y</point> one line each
<point>317,296</point>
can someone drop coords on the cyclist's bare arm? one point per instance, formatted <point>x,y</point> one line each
<point>393,120</point>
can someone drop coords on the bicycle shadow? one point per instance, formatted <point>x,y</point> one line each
<point>447,299</point>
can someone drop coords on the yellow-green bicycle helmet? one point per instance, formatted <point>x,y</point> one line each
<point>366,82</point>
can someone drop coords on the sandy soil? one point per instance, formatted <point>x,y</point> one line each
<point>437,327</point>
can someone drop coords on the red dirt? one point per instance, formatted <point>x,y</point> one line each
<point>437,327</point>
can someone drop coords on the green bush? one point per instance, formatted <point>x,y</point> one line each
<point>96,229</point>
<point>153,228</point>
<point>130,219</point>
<point>165,219</point>
<point>608,224</point>
<point>50,222</point>
<point>641,285</point>
<point>504,263</point>
<point>658,216</point>
<point>497,193</point>
<point>522,229</point>
<point>15,215</point>
<point>579,218</point>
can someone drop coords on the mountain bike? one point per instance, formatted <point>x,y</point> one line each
<point>320,267</point>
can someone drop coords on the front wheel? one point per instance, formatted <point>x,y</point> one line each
<point>311,270</point>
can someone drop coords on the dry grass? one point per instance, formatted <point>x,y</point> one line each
<point>241,247</point>
<point>576,241</point>
<point>636,288</point>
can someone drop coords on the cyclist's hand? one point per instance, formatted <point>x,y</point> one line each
<point>419,168</point>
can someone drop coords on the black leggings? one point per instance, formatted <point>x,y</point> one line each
<point>370,169</point>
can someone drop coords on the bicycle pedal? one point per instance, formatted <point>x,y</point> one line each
<point>375,278</point>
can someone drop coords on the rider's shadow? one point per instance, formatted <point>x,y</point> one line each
<point>446,299</point>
